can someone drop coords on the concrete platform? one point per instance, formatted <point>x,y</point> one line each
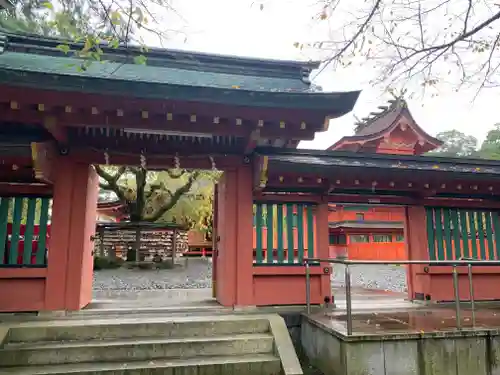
<point>389,339</point>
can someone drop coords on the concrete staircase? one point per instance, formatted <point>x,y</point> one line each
<point>183,345</point>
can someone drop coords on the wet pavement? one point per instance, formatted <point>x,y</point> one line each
<point>388,318</point>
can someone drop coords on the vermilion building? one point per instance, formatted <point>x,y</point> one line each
<point>371,231</point>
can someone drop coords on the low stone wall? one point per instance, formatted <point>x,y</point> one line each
<point>438,353</point>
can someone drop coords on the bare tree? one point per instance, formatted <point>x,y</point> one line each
<point>430,42</point>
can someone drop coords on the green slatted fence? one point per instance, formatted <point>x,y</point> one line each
<point>24,225</point>
<point>284,233</point>
<point>454,233</point>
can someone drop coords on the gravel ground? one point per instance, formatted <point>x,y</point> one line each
<point>391,278</point>
<point>198,275</point>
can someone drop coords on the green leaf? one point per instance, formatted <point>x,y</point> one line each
<point>140,60</point>
<point>64,48</point>
<point>48,5</point>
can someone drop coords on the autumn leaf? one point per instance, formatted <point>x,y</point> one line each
<point>64,48</point>
<point>140,60</point>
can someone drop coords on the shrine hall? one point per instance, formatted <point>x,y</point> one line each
<point>242,116</point>
<point>375,232</point>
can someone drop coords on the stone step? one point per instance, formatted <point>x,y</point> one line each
<point>254,364</point>
<point>139,327</point>
<point>48,353</point>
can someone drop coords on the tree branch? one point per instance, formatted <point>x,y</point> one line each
<point>112,181</point>
<point>174,198</point>
<point>172,173</point>
<point>353,39</point>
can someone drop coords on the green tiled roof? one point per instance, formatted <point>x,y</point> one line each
<point>31,61</point>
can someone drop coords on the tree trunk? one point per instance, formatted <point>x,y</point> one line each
<point>137,244</point>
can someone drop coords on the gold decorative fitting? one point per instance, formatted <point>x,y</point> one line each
<point>144,114</point>
<point>337,182</point>
<point>216,120</point>
<point>391,184</point>
<point>119,112</point>
<point>193,118</point>
<point>474,187</point>
<point>410,184</point>
<point>319,180</point>
<point>490,188</point>
<point>282,124</point>
<point>459,187</point>
<point>239,121</point>
<point>356,182</point>
<point>95,111</point>
<point>374,183</point>
<point>169,117</point>
<point>41,107</point>
<point>14,105</point>
<point>303,125</point>
<point>300,179</point>
<point>443,186</point>
<point>260,124</point>
<point>426,186</point>
<point>15,167</point>
<point>68,109</point>
<point>281,179</point>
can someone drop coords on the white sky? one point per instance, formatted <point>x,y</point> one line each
<point>237,27</point>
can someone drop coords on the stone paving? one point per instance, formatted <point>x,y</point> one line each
<point>197,275</point>
<point>389,278</point>
<point>195,281</point>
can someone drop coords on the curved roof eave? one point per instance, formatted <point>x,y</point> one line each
<point>334,104</point>
<point>371,137</point>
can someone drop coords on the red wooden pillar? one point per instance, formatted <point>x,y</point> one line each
<point>322,245</point>
<point>415,232</point>
<point>74,212</point>
<point>234,282</point>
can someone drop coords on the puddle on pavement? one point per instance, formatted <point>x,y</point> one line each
<point>438,319</point>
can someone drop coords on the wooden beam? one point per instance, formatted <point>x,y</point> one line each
<point>44,159</point>
<point>154,122</point>
<point>57,131</point>
<point>252,141</point>
<point>155,162</point>
<point>36,189</point>
<point>312,118</point>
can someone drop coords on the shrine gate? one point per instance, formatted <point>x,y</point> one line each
<point>197,110</point>
<point>242,116</point>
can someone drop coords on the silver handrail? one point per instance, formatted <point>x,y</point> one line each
<point>465,262</point>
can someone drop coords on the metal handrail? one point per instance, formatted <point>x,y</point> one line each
<point>463,262</point>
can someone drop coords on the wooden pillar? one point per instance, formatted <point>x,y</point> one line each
<point>415,232</point>
<point>70,261</point>
<point>322,245</point>
<point>235,248</point>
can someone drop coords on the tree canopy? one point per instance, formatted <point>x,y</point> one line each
<point>174,195</point>
<point>92,23</point>
<point>456,144</point>
<point>431,42</point>
<point>490,149</point>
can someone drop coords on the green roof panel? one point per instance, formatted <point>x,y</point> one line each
<point>32,61</point>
